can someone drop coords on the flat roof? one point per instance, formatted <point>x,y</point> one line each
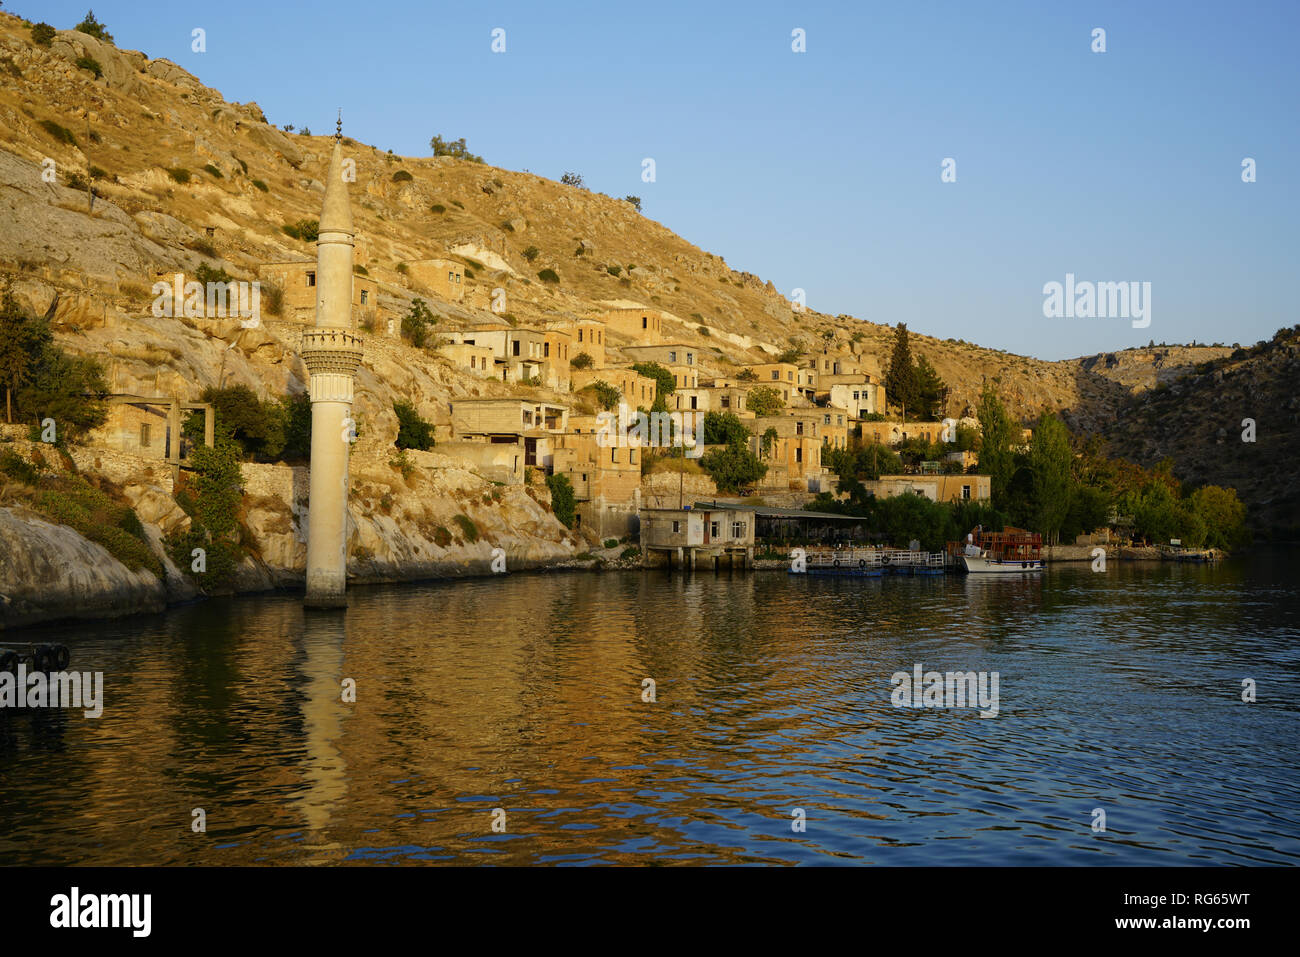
<point>768,511</point>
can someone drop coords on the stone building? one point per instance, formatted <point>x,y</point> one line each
<point>444,278</point>
<point>297,281</point>
<point>645,326</point>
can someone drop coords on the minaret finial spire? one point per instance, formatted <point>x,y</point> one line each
<point>338,128</point>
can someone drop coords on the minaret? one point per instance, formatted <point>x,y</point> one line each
<point>332,352</point>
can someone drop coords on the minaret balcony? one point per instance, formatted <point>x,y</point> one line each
<point>335,351</point>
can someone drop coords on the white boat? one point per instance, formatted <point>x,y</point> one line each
<point>1012,551</point>
<point>983,565</point>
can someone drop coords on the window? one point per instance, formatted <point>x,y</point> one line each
<point>690,358</point>
<point>737,530</point>
<point>515,347</point>
<point>311,278</point>
<point>965,491</point>
<point>677,527</point>
<point>546,353</point>
<point>365,296</point>
<point>798,453</point>
<point>210,230</point>
<point>789,376</point>
<point>672,355</point>
<point>645,325</point>
<point>715,529</point>
<point>144,435</point>
<point>798,428</point>
<point>579,335</point>
<point>451,277</point>
<point>776,373</point>
<point>826,420</point>
<point>613,455</point>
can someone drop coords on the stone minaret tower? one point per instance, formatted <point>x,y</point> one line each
<point>332,352</point>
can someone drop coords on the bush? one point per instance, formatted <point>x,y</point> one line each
<point>634,200</point>
<point>733,467</point>
<point>402,176</point>
<point>607,396</point>
<point>573,179</point>
<point>563,502</point>
<point>548,275</point>
<point>308,230</point>
<point>581,361</point>
<point>60,133</point>
<point>416,323</point>
<point>611,543</point>
<point>272,298</point>
<point>91,64</point>
<point>765,400</point>
<point>613,270</point>
<point>467,528</point>
<point>179,175</point>
<point>43,34</point>
<point>403,268</point>
<point>531,253</point>
<point>413,432</point>
<point>438,208</point>
<point>212,171</point>
<point>258,184</point>
<point>453,148</point>
<point>18,468</point>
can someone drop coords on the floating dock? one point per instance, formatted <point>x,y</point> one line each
<point>869,562</point>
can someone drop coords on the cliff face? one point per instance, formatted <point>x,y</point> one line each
<point>49,571</point>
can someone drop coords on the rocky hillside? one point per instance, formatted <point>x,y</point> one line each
<point>1200,420</point>
<point>181,177</point>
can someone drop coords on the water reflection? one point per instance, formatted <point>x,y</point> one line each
<point>1119,690</point>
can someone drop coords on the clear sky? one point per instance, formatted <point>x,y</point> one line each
<point>821,170</point>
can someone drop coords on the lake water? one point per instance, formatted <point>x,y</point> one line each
<point>1120,691</point>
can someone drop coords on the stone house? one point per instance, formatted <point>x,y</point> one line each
<point>297,282</point>
<point>442,277</point>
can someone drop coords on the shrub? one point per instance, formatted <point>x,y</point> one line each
<point>61,133</point>
<point>91,64</point>
<point>613,270</point>
<point>703,330</point>
<point>413,432</point>
<point>94,28</point>
<point>563,503</point>
<point>438,208</point>
<point>607,396</point>
<point>441,537</point>
<point>257,183</point>
<point>402,176</point>
<point>467,528</point>
<point>403,268</point>
<point>634,200</point>
<point>453,148</point>
<point>416,322</point>
<point>531,253</point>
<point>204,247</point>
<point>179,175</point>
<point>611,543</point>
<point>765,401</point>
<point>632,551</point>
<point>548,275</point>
<point>272,298</point>
<point>212,171</point>
<point>581,361</point>
<point>18,468</point>
<point>43,34</point>
<point>573,179</point>
<point>98,173</point>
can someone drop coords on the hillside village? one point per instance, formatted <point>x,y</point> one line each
<point>509,313</point>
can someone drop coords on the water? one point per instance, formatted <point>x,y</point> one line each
<point>1119,691</point>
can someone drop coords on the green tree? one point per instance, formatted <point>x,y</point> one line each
<point>607,396</point>
<point>582,360</point>
<point>23,341</point>
<point>413,432</point>
<point>256,427</point>
<point>1050,461</point>
<point>1222,514</point>
<point>732,467</point>
<point>765,400</point>
<point>68,389</point>
<point>416,323</point>
<point>931,391</point>
<point>724,428</point>
<point>453,148</point>
<point>665,384</point>
<point>747,375</point>
<point>563,502</point>
<point>900,380</point>
<point>94,28</point>
<point>997,460</point>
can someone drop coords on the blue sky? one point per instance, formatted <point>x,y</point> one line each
<point>821,170</point>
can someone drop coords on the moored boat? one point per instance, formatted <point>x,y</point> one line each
<point>1012,551</point>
